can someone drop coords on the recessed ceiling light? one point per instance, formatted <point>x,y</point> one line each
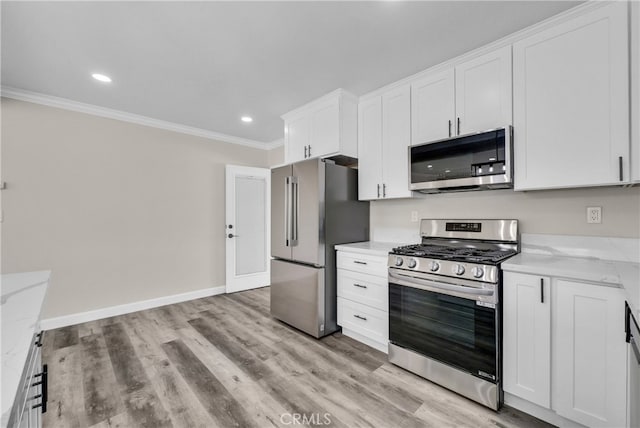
<point>246,119</point>
<point>101,78</point>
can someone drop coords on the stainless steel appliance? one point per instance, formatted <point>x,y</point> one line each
<point>633,339</point>
<point>467,162</point>
<point>314,206</point>
<point>444,305</point>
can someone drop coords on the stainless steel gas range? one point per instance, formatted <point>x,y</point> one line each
<point>444,305</point>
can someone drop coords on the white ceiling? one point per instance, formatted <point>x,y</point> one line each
<point>204,64</point>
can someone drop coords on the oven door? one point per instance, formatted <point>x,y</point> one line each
<point>451,323</point>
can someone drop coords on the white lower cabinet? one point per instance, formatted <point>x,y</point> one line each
<point>590,354</point>
<point>527,337</point>
<point>363,296</point>
<point>31,399</point>
<point>564,348</point>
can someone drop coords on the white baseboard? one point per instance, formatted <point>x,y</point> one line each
<point>66,320</point>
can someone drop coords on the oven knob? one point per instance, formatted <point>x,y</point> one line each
<point>434,266</point>
<point>477,272</point>
<point>398,261</point>
<point>412,263</point>
<point>458,269</point>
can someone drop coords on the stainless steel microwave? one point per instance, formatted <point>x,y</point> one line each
<point>477,161</point>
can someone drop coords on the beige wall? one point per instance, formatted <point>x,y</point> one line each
<point>560,212</point>
<point>276,156</point>
<point>119,212</point>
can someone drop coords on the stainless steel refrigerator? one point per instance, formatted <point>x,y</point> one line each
<point>314,206</point>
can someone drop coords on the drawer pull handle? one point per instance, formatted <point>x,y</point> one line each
<point>359,285</point>
<point>39,341</point>
<point>44,396</point>
<point>359,262</point>
<point>360,317</point>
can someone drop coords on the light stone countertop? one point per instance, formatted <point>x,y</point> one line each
<point>613,273</point>
<point>22,295</point>
<point>372,248</point>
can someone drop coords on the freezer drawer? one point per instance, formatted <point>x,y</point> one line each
<point>297,296</point>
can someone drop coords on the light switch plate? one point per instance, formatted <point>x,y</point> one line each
<point>414,216</point>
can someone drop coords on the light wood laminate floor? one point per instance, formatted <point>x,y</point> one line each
<point>223,361</point>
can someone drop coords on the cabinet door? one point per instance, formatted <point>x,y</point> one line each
<point>432,107</point>
<point>589,354</point>
<point>396,138</point>
<point>297,135</point>
<point>325,129</point>
<point>483,92</point>
<point>527,337</point>
<point>571,102</point>
<point>370,148</point>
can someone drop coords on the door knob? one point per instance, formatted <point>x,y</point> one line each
<point>231,235</point>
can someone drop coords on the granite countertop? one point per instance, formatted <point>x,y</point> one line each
<point>373,248</point>
<point>22,295</point>
<point>613,273</point>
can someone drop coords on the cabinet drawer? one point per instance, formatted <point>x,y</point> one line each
<point>369,322</point>
<point>372,265</point>
<point>363,288</point>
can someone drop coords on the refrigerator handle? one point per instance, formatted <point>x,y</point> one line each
<point>294,212</point>
<point>287,210</point>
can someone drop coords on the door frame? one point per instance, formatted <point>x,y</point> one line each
<point>235,283</point>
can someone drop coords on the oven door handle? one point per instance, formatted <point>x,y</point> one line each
<point>428,285</point>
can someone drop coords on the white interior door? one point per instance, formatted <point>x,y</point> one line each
<point>248,207</point>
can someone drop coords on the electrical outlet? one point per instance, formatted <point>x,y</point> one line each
<point>414,216</point>
<point>594,214</point>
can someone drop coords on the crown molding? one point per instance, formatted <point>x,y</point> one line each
<point>66,104</point>
<point>274,144</point>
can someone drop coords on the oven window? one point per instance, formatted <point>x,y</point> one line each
<point>471,156</point>
<point>452,330</point>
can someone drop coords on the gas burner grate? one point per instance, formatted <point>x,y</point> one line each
<point>455,253</point>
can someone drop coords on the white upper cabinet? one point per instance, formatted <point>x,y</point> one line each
<point>370,148</point>
<point>474,96</point>
<point>571,102</point>
<point>324,127</point>
<point>396,139</point>
<point>483,92</point>
<point>432,107</point>
<point>297,138</point>
<point>384,138</point>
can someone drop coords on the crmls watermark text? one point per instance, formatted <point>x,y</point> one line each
<point>305,419</point>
